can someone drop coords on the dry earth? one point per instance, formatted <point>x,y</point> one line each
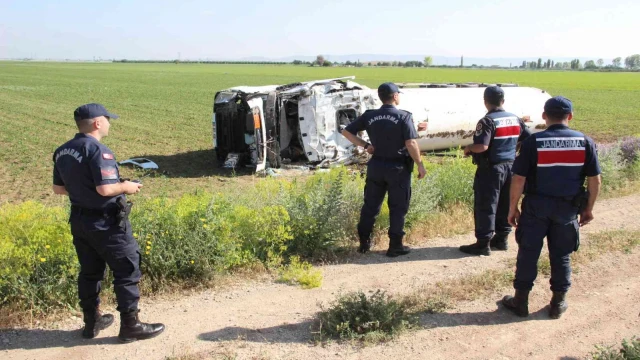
<point>264,320</point>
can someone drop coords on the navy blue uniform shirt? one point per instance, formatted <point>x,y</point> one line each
<point>500,131</point>
<point>388,128</point>
<point>556,161</point>
<point>80,165</point>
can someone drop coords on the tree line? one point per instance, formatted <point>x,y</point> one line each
<point>631,62</point>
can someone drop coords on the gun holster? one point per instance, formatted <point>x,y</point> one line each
<point>481,160</point>
<point>580,200</point>
<point>124,209</point>
<point>408,163</point>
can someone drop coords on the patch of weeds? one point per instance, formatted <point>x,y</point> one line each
<point>356,316</point>
<point>630,351</point>
<point>301,273</point>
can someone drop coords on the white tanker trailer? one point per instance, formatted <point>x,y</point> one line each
<point>278,125</point>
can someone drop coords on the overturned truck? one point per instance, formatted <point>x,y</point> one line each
<point>300,123</point>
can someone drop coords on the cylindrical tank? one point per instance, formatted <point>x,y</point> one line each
<point>447,117</point>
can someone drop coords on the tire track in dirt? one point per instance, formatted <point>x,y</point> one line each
<point>275,318</point>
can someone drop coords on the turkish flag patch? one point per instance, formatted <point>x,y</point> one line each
<point>109,173</point>
<point>107,156</point>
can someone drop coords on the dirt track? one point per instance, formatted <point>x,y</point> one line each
<point>267,320</point>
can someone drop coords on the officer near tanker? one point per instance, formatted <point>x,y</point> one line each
<point>394,151</point>
<point>87,172</point>
<point>551,171</point>
<point>493,150</point>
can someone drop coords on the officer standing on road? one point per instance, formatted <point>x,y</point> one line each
<point>493,149</point>
<point>551,170</point>
<point>394,150</point>
<point>87,172</point>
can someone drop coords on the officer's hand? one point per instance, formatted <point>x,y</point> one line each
<point>131,187</point>
<point>585,217</point>
<point>370,149</point>
<point>514,217</point>
<point>422,172</point>
<point>467,151</point>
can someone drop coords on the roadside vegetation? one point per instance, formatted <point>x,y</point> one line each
<point>192,240</point>
<point>629,350</point>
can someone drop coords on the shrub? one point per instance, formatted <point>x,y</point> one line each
<point>301,273</point>
<point>38,266</point>
<point>613,165</point>
<point>630,351</point>
<point>358,317</point>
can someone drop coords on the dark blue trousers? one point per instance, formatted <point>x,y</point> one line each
<point>491,200</point>
<point>385,177</point>
<point>96,249</point>
<point>553,218</point>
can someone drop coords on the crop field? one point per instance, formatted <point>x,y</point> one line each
<point>166,110</point>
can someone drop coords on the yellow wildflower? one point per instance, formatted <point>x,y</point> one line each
<point>192,261</point>
<point>43,259</point>
<point>47,247</point>
<point>205,226</point>
<point>148,242</point>
<point>203,219</point>
<point>135,235</point>
<point>148,247</point>
<point>147,253</point>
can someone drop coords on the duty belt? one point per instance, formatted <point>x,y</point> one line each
<point>389,159</point>
<point>90,212</point>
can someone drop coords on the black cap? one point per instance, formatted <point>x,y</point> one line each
<point>494,94</point>
<point>90,111</point>
<point>387,89</point>
<point>558,106</point>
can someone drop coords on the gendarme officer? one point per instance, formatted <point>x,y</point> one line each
<point>86,171</point>
<point>394,150</point>
<point>493,149</point>
<point>551,170</point>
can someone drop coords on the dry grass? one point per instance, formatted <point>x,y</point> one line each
<point>455,220</point>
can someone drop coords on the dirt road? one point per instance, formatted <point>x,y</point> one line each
<point>264,320</point>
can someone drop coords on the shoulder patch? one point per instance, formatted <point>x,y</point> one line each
<point>109,173</point>
<point>479,129</point>
<point>107,156</point>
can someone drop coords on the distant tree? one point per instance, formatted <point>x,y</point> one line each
<point>617,62</point>
<point>297,62</point>
<point>600,62</point>
<point>539,63</point>
<point>428,61</point>
<point>632,62</point>
<point>558,65</point>
<point>400,64</point>
<point>320,60</point>
<point>590,64</point>
<point>524,64</point>
<point>326,63</point>
<point>462,61</point>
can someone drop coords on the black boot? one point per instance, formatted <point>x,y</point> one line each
<point>518,304</point>
<point>131,329</point>
<point>365,242</point>
<point>396,248</point>
<point>499,241</point>
<point>94,321</point>
<point>479,248</point>
<point>558,305</point>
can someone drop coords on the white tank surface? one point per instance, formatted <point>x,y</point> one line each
<point>447,117</point>
<point>277,125</point>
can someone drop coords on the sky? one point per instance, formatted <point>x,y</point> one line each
<point>224,29</point>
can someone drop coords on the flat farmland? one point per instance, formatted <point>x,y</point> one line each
<point>166,111</point>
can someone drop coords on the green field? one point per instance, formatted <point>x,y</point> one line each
<point>166,112</point>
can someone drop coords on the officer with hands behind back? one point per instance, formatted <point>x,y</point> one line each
<point>394,151</point>
<point>551,171</point>
<point>87,172</point>
<point>493,149</point>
